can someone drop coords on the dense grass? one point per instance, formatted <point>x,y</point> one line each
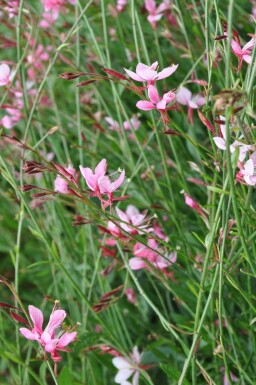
<point>193,319</point>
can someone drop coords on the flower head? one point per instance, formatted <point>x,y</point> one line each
<point>127,368</point>
<point>47,337</point>
<point>149,74</point>
<point>243,54</point>
<point>156,102</point>
<point>5,73</point>
<point>61,184</point>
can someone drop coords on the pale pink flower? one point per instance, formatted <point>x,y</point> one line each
<point>61,184</point>
<point>155,101</point>
<point>120,5</point>
<point>48,19</point>
<point>156,13</point>
<point>128,368</point>
<point>133,123</point>
<point>221,143</point>
<point>5,73</point>
<point>149,74</point>
<point>12,7</point>
<point>113,124</point>
<point>99,183</point>
<point>145,255</point>
<point>131,216</point>
<point>248,171</point>
<point>47,337</point>
<point>55,5</point>
<point>243,54</point>
<point>184,96</point>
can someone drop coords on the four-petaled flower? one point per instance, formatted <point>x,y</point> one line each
<point>243,54</point>
<point>127,368</point>
<point>149,74</point>
<point>47,337</point>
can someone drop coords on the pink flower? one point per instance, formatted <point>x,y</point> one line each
<point>5,73</point>
<point>194,205</point>
<point>61,184</point>
<point>99,183</point>
<point>155,101</point>
<point>133,123</point>
<point>120,5</point>
<point>156,13</point>
<point>128,368</point>
<point>248,172</point>
<point>144,255</point>
<point>131,216</point>
<point>55,5</point>
<point>149,74</point>
<point>113,124</point>
<point>48,19</point>
<point>221,143</point>
<point>47,337</point>
<point>243,54</point>
<point>185,97</point>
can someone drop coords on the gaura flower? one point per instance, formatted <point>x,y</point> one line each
<point>149,74</point>
<point>128,368</point>
<point>155,13</point>
<point>155,101</point>
<point>184,96</point>
<point>243,54</point>
<point>61,184</point>
<point>5,73</point>
<point>47,337</point>
<point>248,171</point>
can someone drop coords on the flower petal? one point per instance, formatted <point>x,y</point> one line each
<point>66,339</point>
<point>145,105</point>
<point>134,76</point>
<point>167,72</point>
<point>28,334</point>
<point>56,319</point>
<point>153,94</point>
<point>183,96</point>
<point>37,318</point>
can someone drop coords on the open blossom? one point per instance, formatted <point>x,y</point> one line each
<point>156,13</point>
<point>113,124</point>
<point>243,54</point>
<point>5,73</point>
<point>156,102</point>
<point>184,96</point>
<point>143,256</point>
<point>149,74</point>
<point>221,143</point>
<point>131,216</point>
<point>248,171</point>
<point>61,184</point>
<point>99,182</point>
<point>120,5</point>
<point>128,368</point>
<point>134,123</point>
<point>55,5</point>
<point>51,342</point>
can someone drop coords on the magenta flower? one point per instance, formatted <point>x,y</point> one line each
<point>61,184</point>
<point>243,54</point>
<point>46,337</point>
<point>100,183</point>
<point>128,368</point>
<point>145,256</point>
<point>155,101</point>
<point>5,73</point>
<point>149,74</point>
